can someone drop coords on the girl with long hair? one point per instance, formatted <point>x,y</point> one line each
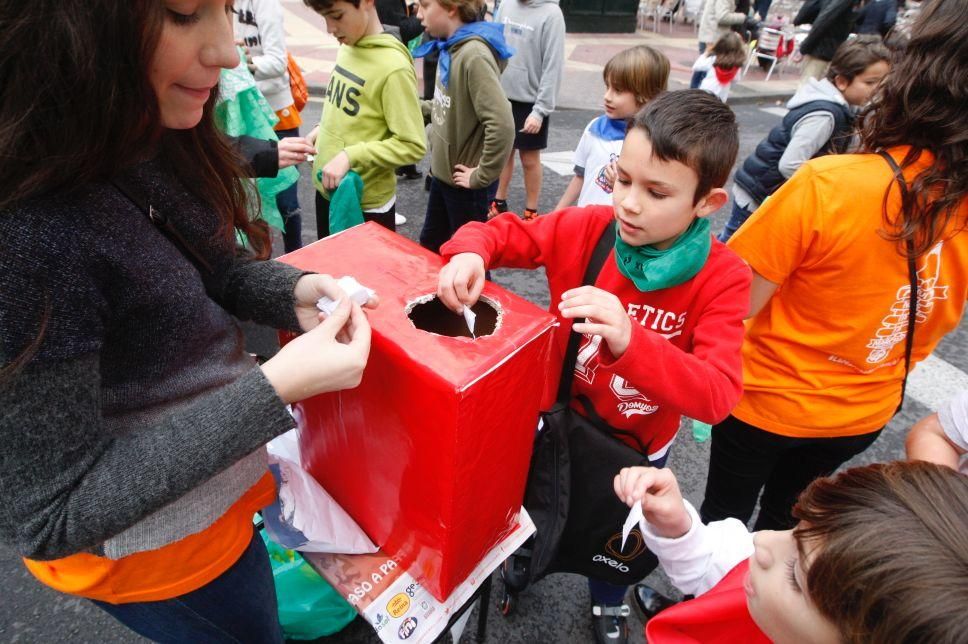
<point>860,268</point>
<point>133,420</point>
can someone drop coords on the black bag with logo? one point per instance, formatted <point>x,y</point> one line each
<point>570,494</point>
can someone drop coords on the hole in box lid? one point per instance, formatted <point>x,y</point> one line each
<point>430,314</point>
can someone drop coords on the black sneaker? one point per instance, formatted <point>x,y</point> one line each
<point>650,601</point>
<point>409,172</point>
<point>610,623</point>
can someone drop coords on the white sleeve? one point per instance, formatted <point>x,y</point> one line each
<point>807,136</point>
<point>699,559</point>
<point>953,417</point>
<point>704,63</point>
<point>272,63</point>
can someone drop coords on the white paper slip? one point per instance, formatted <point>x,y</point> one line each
<point>635,515</point>
<point>356,291</point>
<point>471,318</point>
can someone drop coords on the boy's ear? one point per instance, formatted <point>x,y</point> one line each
<point>713,201</point>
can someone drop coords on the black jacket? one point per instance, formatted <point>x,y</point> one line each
<point>394,13</point>
<point>831,22</point>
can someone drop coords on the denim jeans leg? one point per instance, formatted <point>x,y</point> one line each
<point>436,227</point>
<point>238,606</point>
<point>736,219</point>
<point>288,203</point>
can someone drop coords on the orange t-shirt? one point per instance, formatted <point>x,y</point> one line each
<point>825,356</point>
<point>170,571</point>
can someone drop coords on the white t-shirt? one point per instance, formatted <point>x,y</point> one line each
<point>953,417</point>
<point>591,157</point>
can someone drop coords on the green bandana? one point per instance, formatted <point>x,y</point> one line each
<point>651,269</point>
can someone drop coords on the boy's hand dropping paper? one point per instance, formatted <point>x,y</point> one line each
<point>635,515</point>
<point>356,292</point>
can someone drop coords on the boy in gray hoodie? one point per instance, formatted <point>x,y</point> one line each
<point>535,29</point>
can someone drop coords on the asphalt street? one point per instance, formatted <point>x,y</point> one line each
<point>556,609</point>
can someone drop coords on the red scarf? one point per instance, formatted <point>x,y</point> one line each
<point>719,616</point>
<point>725,76</point>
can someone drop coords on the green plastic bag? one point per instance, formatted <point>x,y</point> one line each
<point>309,608</point>
<point>701,431</point>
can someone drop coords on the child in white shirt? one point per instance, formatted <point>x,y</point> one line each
<point>632,78</point>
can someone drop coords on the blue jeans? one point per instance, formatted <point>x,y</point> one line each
<point>698,76</point>
<point>238,606</point>
<point>449,208</point>
<point>288,203</point>
<point>608,594</point>
<point>736,219</point>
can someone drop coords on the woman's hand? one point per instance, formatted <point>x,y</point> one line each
<point>293,150</point>
<point>658,492</point>
<point>308,290</point>
<point>604,316</point>
<point>329,357</point>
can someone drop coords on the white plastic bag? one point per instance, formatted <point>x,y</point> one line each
<point>304,516</point>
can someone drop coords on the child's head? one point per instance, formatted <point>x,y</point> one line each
<point>348,20</point>
<point>858,67</point>
<point>880,555</point>
<point>676,158</point>
<point>632,78</point>
<point>441,17</point>
<point>730,51</point>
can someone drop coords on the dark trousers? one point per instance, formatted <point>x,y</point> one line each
<point>238,606</point>
<point>608,594</point>
<point>385,219</point>
<point>697,77</point>
<point>449,208</point>
<point>288,203</point>
<point>736,219</point>
<point>745,459</point>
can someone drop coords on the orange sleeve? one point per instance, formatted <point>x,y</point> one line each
<point>777,237</point>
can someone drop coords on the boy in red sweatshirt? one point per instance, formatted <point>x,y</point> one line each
<point>664,320</point>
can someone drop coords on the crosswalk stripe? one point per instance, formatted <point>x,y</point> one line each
<point>935,381</point>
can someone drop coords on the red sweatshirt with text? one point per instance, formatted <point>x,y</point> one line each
<point>684,354</point>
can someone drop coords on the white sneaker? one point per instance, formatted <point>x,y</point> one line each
<point>399,219</point>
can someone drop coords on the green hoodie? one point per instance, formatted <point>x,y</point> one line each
<point>471,121</point>
<point>373,113</point>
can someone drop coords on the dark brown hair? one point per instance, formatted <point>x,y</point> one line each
<point>642,70</point>
<point>890,552</point>
<point>695,128</point>
<point>77,107</point>
<point>921,104</point>
<point>319,6</point>
<point>730,51</point>
<point>857,54</point>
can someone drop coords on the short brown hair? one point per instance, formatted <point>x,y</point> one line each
<point>467,10</point>
<point>857,54</point>
<point>891,562</point>
<point>642,70</point>
<point>319,6</point>
<point>730,51</point>
<point>695,128</point>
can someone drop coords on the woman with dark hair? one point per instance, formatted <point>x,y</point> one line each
<point>860,268</point>
<point>133,420</point>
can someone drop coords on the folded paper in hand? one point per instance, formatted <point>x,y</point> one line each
<point>635,515</point>
<point>356,292</point>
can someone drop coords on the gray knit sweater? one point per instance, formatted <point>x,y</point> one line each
<point>140,419</point>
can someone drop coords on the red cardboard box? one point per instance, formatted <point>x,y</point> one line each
<point>430,453</point>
